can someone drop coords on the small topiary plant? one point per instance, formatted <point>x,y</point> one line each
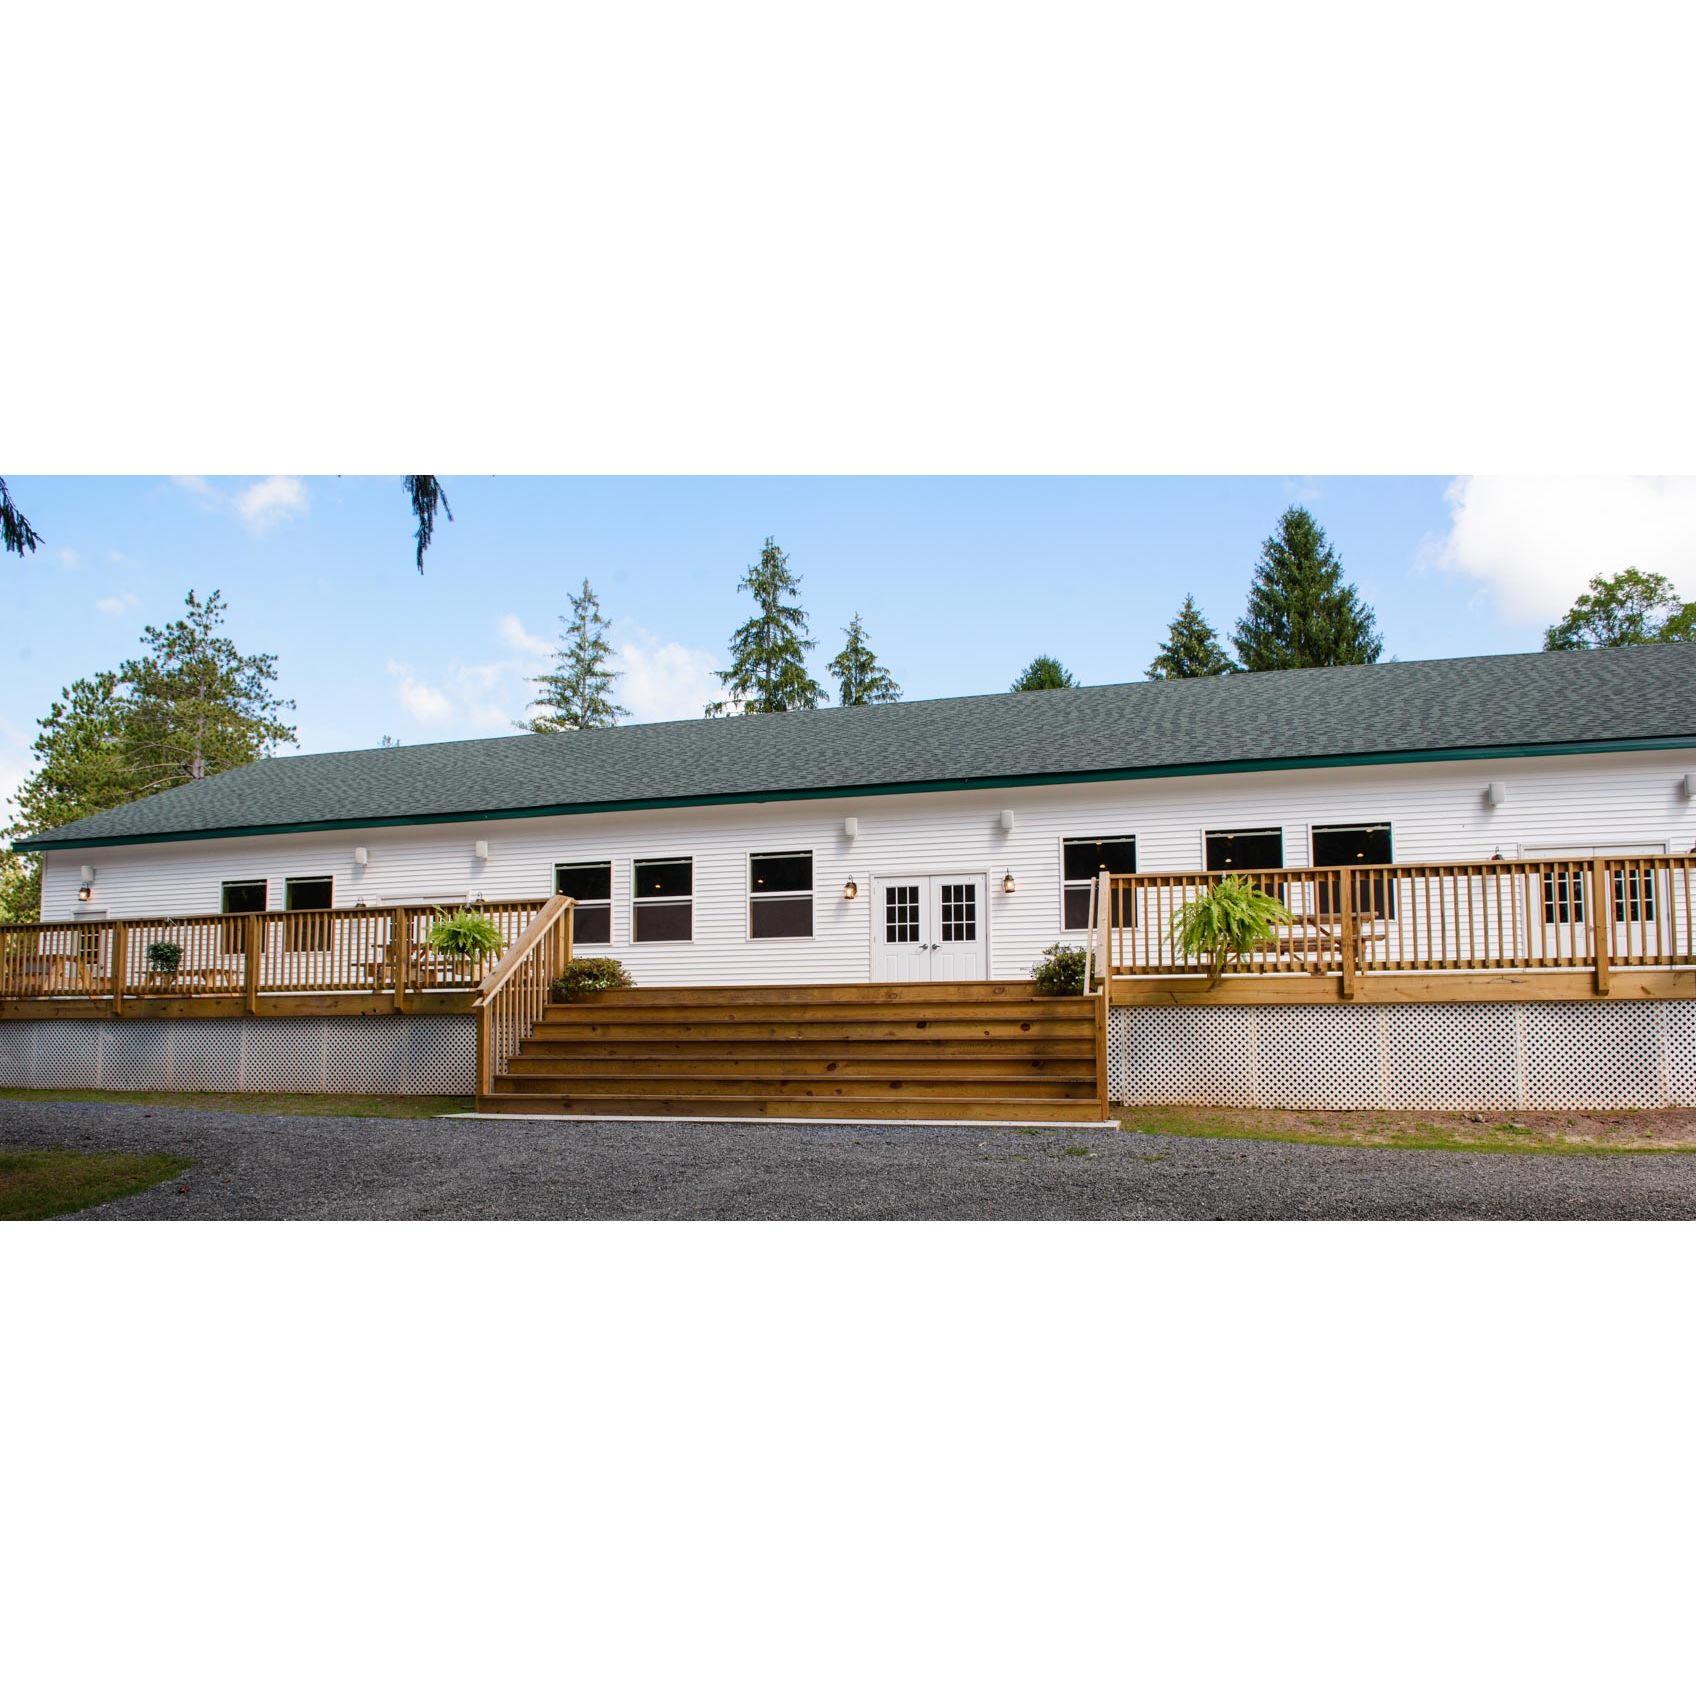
<point>589,976</point>
<point>1060,970</point>
<point>465,935</point>
<point>164,957</point>
<point>1232,919</point>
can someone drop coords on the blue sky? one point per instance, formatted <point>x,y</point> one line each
<point>960,580</point>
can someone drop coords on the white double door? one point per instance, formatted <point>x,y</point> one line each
<point>930,928</point>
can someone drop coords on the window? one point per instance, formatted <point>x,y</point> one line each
<point>780,894</point>
<point>959,912</point>
<point>242,898</point>
<point>1563,897</point>
<point>1245,850</point>
<point>1357,845</point>
<point>663,901</point>
<point>589,884</point>
<point>901,912</point>
<point>1082,860</point>
<point>308,895</point>
<point>1634,895</point>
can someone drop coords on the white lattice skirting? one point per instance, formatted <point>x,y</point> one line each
<point>1554,1055</point>
<point>363,1056</point>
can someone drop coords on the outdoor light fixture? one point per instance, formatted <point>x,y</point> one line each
<point>1007,883</point>
<point>850,889</point>
<point>86,893</point>
<point>480,849</point>
<point>850,828</point>
<point>1007,821</point>
<point>1689,786</point>
<point>362,856</point>
<point>1495,795</point>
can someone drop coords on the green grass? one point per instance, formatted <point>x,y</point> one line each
<point>42,1183</point>
<point>1455,1136</point>
<point>324,1106</point>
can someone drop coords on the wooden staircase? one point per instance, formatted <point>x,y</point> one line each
<point>833,1051</point>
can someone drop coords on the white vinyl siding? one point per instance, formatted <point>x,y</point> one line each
<point>1437,812</point>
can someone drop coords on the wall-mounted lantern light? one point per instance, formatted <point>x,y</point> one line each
<point>86,878</point>
<point>1007,883</point>
<point>850,889</point>
<point>1495,795</point>
<point>480,849</point>
<point>86,893</point>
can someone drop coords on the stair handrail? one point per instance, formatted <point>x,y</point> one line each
<point>512,997</point>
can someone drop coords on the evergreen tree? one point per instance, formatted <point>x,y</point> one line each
<point>768,655</point>
<point>426,494</point>
<point>1191,648</point>
<point>577,693</point>
<point>1300,611</point>
<point>1621,611</point>
<point>17,535</point>
<point>860,680</point>
<point>190,706</point>
<point>1044,672</point>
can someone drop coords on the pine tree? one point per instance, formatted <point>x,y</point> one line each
<point>425,495</point>
<point>17,534</point>
<point>1621,611</point>
<point>1300,611</point>
<point>1191,648</point>
<point>768,655</point>
<point>860,680</point>
<point>577,693</point>
<point>1044,672</point>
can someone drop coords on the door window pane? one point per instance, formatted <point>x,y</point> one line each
<point>901,912</point>
<point>959,912</point>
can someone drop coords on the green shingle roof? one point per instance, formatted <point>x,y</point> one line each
<point>1620,697</point>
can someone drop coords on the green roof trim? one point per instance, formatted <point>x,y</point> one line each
<point>1489,707</point>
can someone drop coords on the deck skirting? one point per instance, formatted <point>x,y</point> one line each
<point>399,1055</point>
<point>1434,1057</point>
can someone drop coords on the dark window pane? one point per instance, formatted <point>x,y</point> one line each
<point>307,894</point>
<point>1076,907</point>
<point>901,912</point>
<point>1634,895</point>
<point>1087,856</point>
<point>589,882</point>
<point>774,873</point>
<point>959,912</point>
<point>591,924</point>
<point>244,897</point>
<point>671,921</point>
<point>1352,845</point>
<point>1244,850</point>
<point>788,915</point>
<point>1563,898</point>
<point>665,877</point>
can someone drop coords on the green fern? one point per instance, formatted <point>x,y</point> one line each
<point>465,935</point>
<point>1232,919</point>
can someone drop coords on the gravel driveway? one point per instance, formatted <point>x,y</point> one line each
<point>250,1166</point>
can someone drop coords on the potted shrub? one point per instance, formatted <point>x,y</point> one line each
<point>1060,970</point>
<point>1232,919</point>
<point>163,958</point>
<point>590,975</point>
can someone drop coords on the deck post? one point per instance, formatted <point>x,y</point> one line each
<point>1103,936</point>
<point>120,963</point>
<point>255,942</point>
<point>1346,934</point>
<point>485,1053</point>
<point>400,947</point>
<point>1601,922</point>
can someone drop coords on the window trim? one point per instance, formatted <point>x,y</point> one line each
<point>1380,902</point>
<point>638,901</point>
<point>605,906</point>
<point>811,892</point>
<point>1067,883</point>
<point>1207,835</point>
<point>309,877</point>
<point>229,883</point>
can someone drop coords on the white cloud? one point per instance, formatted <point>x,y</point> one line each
<point>516,636</point>
<point>113,605</point>
<point>1535,542</point>
<point>426,704</point>
<point>69,558</point>
<point>271,500</point>
<point>261,505</point>
<point>664,680</point>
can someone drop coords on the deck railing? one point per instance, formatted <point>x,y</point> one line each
<point>518,990</point>
<point>341,951</point>
<point>1555,912</point>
